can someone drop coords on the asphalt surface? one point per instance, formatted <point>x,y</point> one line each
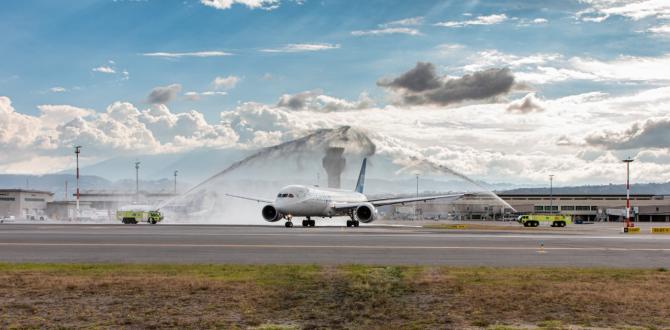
<point>593,246</point>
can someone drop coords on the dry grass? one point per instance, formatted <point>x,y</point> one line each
<point>295,297</point>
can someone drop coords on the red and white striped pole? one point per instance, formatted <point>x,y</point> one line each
<point>628,222</point>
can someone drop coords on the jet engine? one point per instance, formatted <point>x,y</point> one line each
<point>366,213</point>
<point>270,213</point>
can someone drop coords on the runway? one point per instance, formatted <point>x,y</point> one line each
<point>601,247</point>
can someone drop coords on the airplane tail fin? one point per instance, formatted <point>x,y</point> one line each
<point>361,178</point>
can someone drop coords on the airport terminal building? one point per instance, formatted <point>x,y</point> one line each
<point>586,207</point>
<point>24,203</point>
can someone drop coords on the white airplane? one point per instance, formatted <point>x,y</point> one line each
<point>306,201</point>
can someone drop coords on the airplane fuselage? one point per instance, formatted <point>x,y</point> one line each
<point>299,200</point>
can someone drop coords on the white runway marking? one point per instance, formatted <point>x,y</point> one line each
<point>361,247</point>
<point>358,234</point>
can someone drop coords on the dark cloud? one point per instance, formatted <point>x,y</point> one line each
<point>528,103</point>
<point>653,133</point>
<point>296,101</point>
<point>422,85</point>
<point>419,79</point>
<point>163,94</point>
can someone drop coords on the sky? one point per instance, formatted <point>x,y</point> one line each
<point>500,91</point>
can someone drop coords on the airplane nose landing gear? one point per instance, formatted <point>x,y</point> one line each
<point>288,223</point>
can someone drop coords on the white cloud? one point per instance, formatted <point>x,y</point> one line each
<point>17,131</point>
<point>317,101</point>
<point>661,29</point>
<point>600,10</point>
<point>529,103</point>
<point>252,4</point>
<point>626,68</point>
<point>195,96</point>
<point>228,82</point>
<point>53,115</point>
<point>479,20</point>
<point>297,48</point>
<point>210,53</point>
<point>385,31</point>
<point>104,69</point>
<point>121,129</point>
<point>494,58</point>
<point>58,89</point>
<point>448,49</point>
<point>412,21</point>
<point>483,140</point>
<point>540,21</point>
<point>544,68</point>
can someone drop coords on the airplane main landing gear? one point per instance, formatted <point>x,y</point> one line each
<point>352,223</point>
<point>308,222</point>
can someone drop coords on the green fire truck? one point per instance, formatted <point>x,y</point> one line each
<point>136,215</point>
<point>533,220</point>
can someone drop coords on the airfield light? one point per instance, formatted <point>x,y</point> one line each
<point>628,222</point>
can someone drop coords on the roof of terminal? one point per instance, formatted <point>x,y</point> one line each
<point>30,191</point>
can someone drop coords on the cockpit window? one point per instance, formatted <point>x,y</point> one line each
<point>290,195</point>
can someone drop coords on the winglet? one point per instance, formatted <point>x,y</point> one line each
<point>361,178</point>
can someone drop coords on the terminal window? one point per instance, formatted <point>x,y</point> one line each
<point>7,199</point>
<point>34,199</point>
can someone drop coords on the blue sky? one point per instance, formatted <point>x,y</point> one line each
<point>56,44</point>
<point>90,54</point>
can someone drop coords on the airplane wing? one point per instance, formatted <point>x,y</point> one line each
<point>260,200</point>
<point>391,201</point>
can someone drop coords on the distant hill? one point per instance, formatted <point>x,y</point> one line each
<point>611,189</point>
<point>56,183</point>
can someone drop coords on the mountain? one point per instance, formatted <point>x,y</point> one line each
<point>611,189</point>
<point>193,166</point>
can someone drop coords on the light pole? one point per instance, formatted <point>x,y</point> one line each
<point>551,193</point>
<point>628,222</point>
<point>137,179</point>
<point>77,151</point>
<point>175,181</point>
<point>417,195</point>
<point>417,185</point>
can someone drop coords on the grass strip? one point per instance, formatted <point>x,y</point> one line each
<point>311,296</point>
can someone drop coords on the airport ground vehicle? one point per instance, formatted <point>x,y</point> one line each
<point>136,216</point>
<point>533,220</point>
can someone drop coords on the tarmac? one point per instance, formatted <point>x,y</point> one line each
<point>575,246</point>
